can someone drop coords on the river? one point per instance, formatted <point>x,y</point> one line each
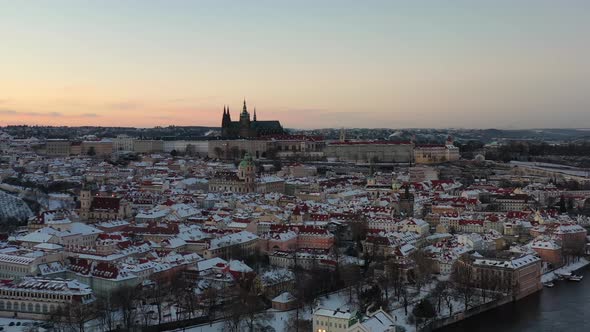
<point>565,307</point>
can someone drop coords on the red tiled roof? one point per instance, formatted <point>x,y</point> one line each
<point>105,203</point>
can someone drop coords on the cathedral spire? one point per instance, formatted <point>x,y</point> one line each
<point>254,113</point>
<point>224,118</point>
<point>245,109</point>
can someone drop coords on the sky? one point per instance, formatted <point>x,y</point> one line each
<point>310,64</point>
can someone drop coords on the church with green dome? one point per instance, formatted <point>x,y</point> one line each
<point>245,180</point>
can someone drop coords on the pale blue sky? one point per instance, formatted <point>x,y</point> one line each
<point>508,64</point>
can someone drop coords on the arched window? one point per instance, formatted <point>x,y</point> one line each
<point>23,307</point>
<point>30,307</point>
<point>45,308</point>
<point>37,307</point>
<point>1,305</point>
<point>8,305</point>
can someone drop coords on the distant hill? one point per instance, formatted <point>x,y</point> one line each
<point>439,135</point>
<point>424,135</point>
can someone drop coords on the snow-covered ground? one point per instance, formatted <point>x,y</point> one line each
<point>279,319</point>
<point>550,276</point>
<point>24,324</point>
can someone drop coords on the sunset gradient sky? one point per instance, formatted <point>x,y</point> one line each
<point>309,64</point>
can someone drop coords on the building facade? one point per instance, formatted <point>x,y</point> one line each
<point>370,151</point>
<point>36,298</point>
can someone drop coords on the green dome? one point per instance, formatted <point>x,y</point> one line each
<point>247,161</point>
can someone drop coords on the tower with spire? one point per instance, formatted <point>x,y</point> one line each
<point>245,122</point>
<point>225,121</point>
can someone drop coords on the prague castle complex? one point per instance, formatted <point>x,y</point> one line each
<point>246,127</point>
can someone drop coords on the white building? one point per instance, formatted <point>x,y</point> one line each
<point>36,297</point>
<point>328,320</point>
<point>122,144</point>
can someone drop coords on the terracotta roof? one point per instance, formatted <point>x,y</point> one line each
<point>105,203</point>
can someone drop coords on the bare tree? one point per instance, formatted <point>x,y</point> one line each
<point>384,284</point>
<point>300,292</point>
<point>60,319</point>
<point>462,276</point>
<point>106,312</point>
<point>209,300</point>
<point>395,276</point>
<point>423,269</point>
<point>234,316</point>
<point>254,318</point>
<point>423,312</point>
<point>144,312</point>
<point>244,312</point>
<point>405,296</point>
<point>184,297</point>
<point>72,316</point>
<point>157,296</point>
<point>296,324</point>
<point>125,298</point>
<point>438,295</point>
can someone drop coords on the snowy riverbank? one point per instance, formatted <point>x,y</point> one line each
<point>552,275</point>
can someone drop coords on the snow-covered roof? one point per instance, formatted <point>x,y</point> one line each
<point>284,297</point>
<point>208,264</point>
<point>232,239</point>
<point>339,314</point>
<point>511,263</point>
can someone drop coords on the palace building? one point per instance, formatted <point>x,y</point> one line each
<point>246,127</point>
<point>36,298</point>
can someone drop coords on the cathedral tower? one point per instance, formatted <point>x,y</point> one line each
<point>245,122</point>
<point>225,122</point>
